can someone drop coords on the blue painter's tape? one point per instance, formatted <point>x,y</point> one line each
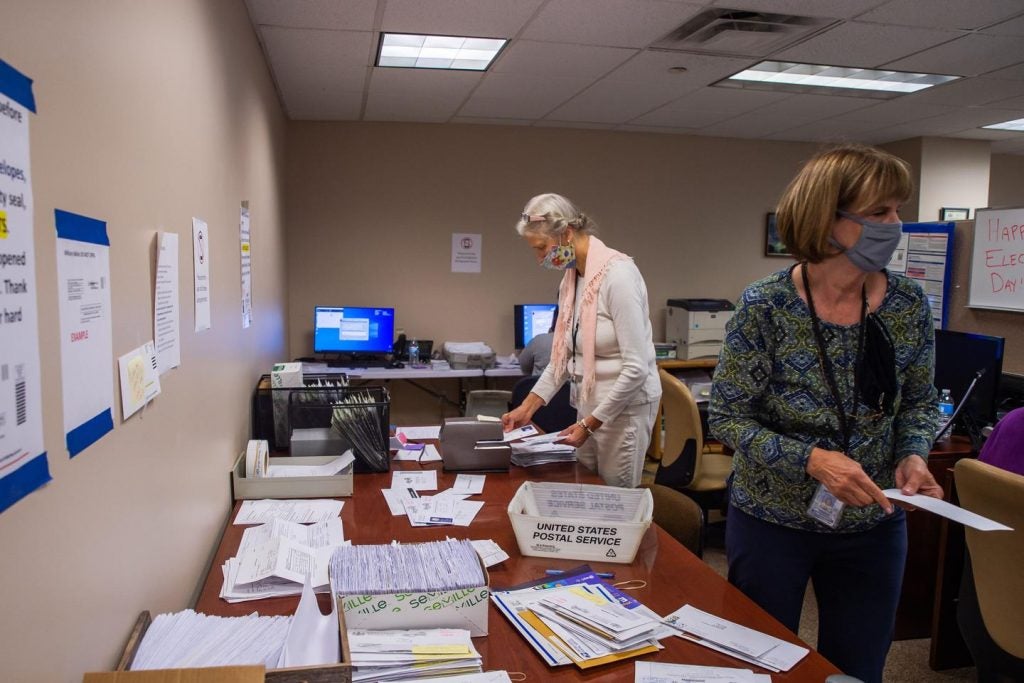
<point>17,86</point>
<point>71,226</point>
<point>24,481</point>
<point>88,433</point>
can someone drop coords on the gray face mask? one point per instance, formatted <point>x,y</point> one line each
<point>876,244</point>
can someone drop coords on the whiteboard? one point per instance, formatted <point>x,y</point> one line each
<point>997,261</point>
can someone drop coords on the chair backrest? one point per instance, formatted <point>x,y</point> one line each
<point>556,415</point>
<point>997,557</point>
<point>684,438</point>
<point>679,516</point>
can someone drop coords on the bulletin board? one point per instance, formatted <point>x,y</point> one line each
<point>997,261</point>
<point>925,254</point>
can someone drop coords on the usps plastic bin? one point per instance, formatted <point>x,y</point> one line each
<point>580,521</point>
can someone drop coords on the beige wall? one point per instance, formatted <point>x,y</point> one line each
<point>954,173</point>
<point>1006,185</point>
<point>371,210</point>
<point>149,113</point>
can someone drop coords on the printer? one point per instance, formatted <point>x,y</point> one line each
<point>469,445</point>
<point>697,326</point>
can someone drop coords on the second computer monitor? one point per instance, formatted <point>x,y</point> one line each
<point>959,356</point>
<point>347,329</point>
<point>531,320</point>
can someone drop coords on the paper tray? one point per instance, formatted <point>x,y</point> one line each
<point>332,673</point>
<point>578,538</point>
<point>291,487</point>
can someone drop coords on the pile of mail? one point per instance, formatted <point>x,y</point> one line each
<point>541,450</point>
<point>274,558</point>
<point>734,640</point>
<point>581,620</point>
<point>406,568</point>
<point>411,654</point>
<point>448,507</point>
<point>657,672</point>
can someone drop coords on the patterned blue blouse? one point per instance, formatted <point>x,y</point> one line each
<point>771,403</point>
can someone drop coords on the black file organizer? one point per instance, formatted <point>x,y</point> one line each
<point>312,407</point>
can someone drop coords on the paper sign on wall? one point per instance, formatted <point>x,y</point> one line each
<point>23,464</point>
<point>86,339</point>
<point>466,250</point>
<point>201,270</point>
<point>246,249</point>
<point>166,326</point>
<point>140,380</point>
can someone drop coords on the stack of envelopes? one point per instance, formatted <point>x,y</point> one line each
<point>541,450</point>
<point>411,654</point>
<point>582,624</point>
<point>734,640</point>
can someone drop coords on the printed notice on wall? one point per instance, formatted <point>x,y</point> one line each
<point>166,327</point>
<point>466,250</point>
<point>23,464</point>
<point>201,269</point>
<point>140,380</point>
<point>243,234</point>
<point>86,336</point>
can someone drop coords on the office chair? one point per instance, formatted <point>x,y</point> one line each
<point>555,416</point>
<point>679,516</point>
<point>490,402</point>
<point>992,590</point>
<point>684,465</point>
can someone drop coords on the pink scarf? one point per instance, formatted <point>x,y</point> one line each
<point>599,257</point>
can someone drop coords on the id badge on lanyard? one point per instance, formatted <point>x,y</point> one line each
<point>825,507</point>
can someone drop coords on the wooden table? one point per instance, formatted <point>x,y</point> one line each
<point>674,577</point>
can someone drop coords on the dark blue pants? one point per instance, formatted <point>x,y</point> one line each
<point>856,577</point>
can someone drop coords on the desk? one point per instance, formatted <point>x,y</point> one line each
<point>674,577</point>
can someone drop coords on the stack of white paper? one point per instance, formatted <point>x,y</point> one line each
<point>302,511</point>
<point>274,559</point>
<point>656,672</point>
<point>737,641</point>
<point>541,450</point>
<point>448,507</point>
<point>411,654</point>
<point>406,568</point>
<point>582,624</point>
<point>326,470</point>
<point>188,639</point>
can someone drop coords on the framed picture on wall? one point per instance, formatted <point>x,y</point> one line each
<point>946,214</point>
<point>773,246</point>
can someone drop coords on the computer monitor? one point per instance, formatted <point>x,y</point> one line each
<point>346,329</point>
<point>531,320</point>
<point>959,356</point>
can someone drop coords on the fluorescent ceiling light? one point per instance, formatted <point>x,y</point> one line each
<point>1017,125</point>
<point>437,52</point>
<point>834,80</point>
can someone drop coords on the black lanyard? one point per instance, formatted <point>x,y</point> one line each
<point>826,363</point>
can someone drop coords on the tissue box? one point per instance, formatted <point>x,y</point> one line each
<point>464,355</point>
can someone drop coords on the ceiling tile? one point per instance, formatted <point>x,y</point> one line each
<point>864,45</point>
<point>836,9</point>
<point>352,15</point>
<point>895,112</point>
<point>480,18</point>
<point>944,13</point>
<point>544,123</point>
<point>709,106</point>
<point>989,134</point>
<point>653,67</point>
<point>1011,103</point>
<point>417,94</point>
<point>311,65</point>
<point>1014,73</point>
<point>968,56</point>
<point>970,91</point>
<point>512,95</point>
<point>618,23</point>
<point>541,60</point>
<point>607,102</point>
<point>492,122</point>
<point>1013,27</point>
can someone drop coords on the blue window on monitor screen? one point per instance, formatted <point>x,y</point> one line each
<point>531,320</point>
<point>349,329</point>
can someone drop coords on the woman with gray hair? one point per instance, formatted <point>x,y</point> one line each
<point>603,343</point>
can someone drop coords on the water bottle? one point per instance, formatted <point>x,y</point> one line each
<point>946,408</point>
<point>414,352</point>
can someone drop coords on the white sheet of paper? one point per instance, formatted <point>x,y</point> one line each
<point>773,651</point>
<point>429,454</point>
<point>520,433</point>
<point>947,510</point>
<point>658,672</point>
<point>420,433</point>
<point>166,318</point>
<point>470,483</point>
<point>466,251</point>
<point>246,263</point>
<point>302,511</point>
<point>396,498</point>
<point>83,273</point>
<point>326,470</point>
<point>425,480</point>
<point>313,637</point>
<point>489,551</point>
<point>22,432</point>
<point>286,559</point>
<point>201,272</point>
<point>140,379</point>
<point>319,535</point>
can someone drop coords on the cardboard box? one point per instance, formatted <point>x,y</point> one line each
<point>466,609</point>
<point>330,673</point>
<point>579,538</point>
<point>286,376</point>
<point>336,486</point>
